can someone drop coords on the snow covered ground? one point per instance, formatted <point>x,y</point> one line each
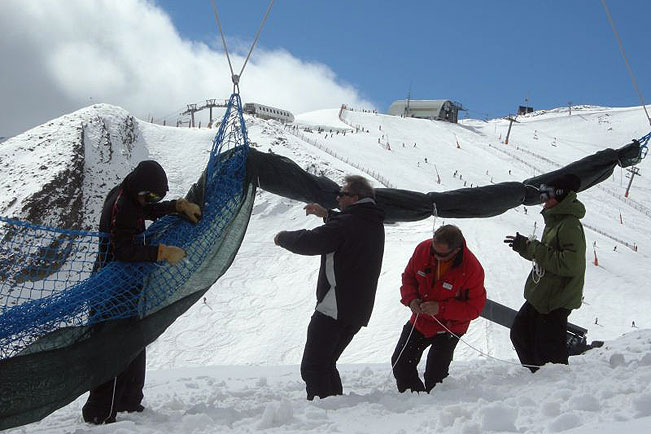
<point>230,364</point>
<point>606,391</point>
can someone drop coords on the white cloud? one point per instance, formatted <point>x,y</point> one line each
<point>58,56</point>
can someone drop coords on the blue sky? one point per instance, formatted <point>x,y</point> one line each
<point>489,55</point>
<point>154,57</point>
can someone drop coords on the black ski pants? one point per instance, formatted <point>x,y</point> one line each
<point>122,393</point>
<point>540,338</point>
<point>327,338</point>
<point>405,365</point>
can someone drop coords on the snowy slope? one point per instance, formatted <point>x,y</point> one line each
<point>257,313</point>
<point>279,289</point>
<point>606,391</point>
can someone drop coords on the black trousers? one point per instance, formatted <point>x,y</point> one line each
<point>540,338</point>
<point>122,393</point>
<point>327,338</point>
<point>405,365</point>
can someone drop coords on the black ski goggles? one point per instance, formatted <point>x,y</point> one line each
<point>548,192</point>
<point>150,196</point>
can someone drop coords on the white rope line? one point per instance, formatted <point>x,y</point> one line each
<point>257,35</point>
<point>480,351</point>
<point>413,326</point>
<point>219,24</point>
<point>236,78</point>
<point>406,342</point>
<point>115,382</point>
<point>628,66</point>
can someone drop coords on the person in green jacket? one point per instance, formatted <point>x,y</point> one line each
<point>555,285</point>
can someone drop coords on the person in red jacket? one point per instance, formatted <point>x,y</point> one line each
<point>443,285</point>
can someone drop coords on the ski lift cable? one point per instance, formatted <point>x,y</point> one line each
<point>219,25</point>
<point>236,78</point>
<point>628,66</point>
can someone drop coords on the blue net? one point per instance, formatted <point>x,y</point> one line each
<point>47,278</point>
<point>644,146</point>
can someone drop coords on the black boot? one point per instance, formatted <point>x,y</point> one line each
<point>91,415</point>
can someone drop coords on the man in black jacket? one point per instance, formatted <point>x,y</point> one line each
<point>127,206</point>
<point>351,245</point>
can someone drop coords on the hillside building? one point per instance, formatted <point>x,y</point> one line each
<point>523,110</point>
<point>435,109</point>
<point>267,112</point>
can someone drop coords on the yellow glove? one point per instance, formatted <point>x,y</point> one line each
<point>171,254</point>
<point>191,210</point>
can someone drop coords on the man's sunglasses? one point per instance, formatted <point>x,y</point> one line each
<point>345,193</point>
<point>150,196</point>
<point>443,255</point>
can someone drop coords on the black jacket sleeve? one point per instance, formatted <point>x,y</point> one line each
<point>319,241</point>
<point>155,211</point>
<point>126,228</point>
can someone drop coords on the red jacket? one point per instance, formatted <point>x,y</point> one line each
<point>459,291</point>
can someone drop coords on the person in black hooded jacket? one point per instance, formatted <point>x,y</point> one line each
<point>127,206</point>
<point>351,245</point>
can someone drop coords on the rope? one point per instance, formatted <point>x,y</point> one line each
<point>644,146</point>
<point>236,78</point>
<point>257,35</point>
<point>115,383</point>
<point>413,326</point>
<point>219,24</point>
<point>480,351</point>
<point>406,342</point>
<point>628,66</point>
<point>537,272</point>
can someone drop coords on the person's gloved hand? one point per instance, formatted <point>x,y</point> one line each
<point>171,254</point>
<point>415,306</point>
<point>430,307</point>
<point>517,242</point>
<point>191,210</point>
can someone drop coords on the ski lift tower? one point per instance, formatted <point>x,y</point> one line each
<point>511,119</point>
<point>632,171</point>
<point>191,109</point>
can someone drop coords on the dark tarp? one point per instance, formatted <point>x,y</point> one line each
<point>281,176</point>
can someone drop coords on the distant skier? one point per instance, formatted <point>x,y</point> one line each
<point>555,285</point>
<point>351,245</point>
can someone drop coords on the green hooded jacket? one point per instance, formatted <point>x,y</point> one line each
<point>560,255</point>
